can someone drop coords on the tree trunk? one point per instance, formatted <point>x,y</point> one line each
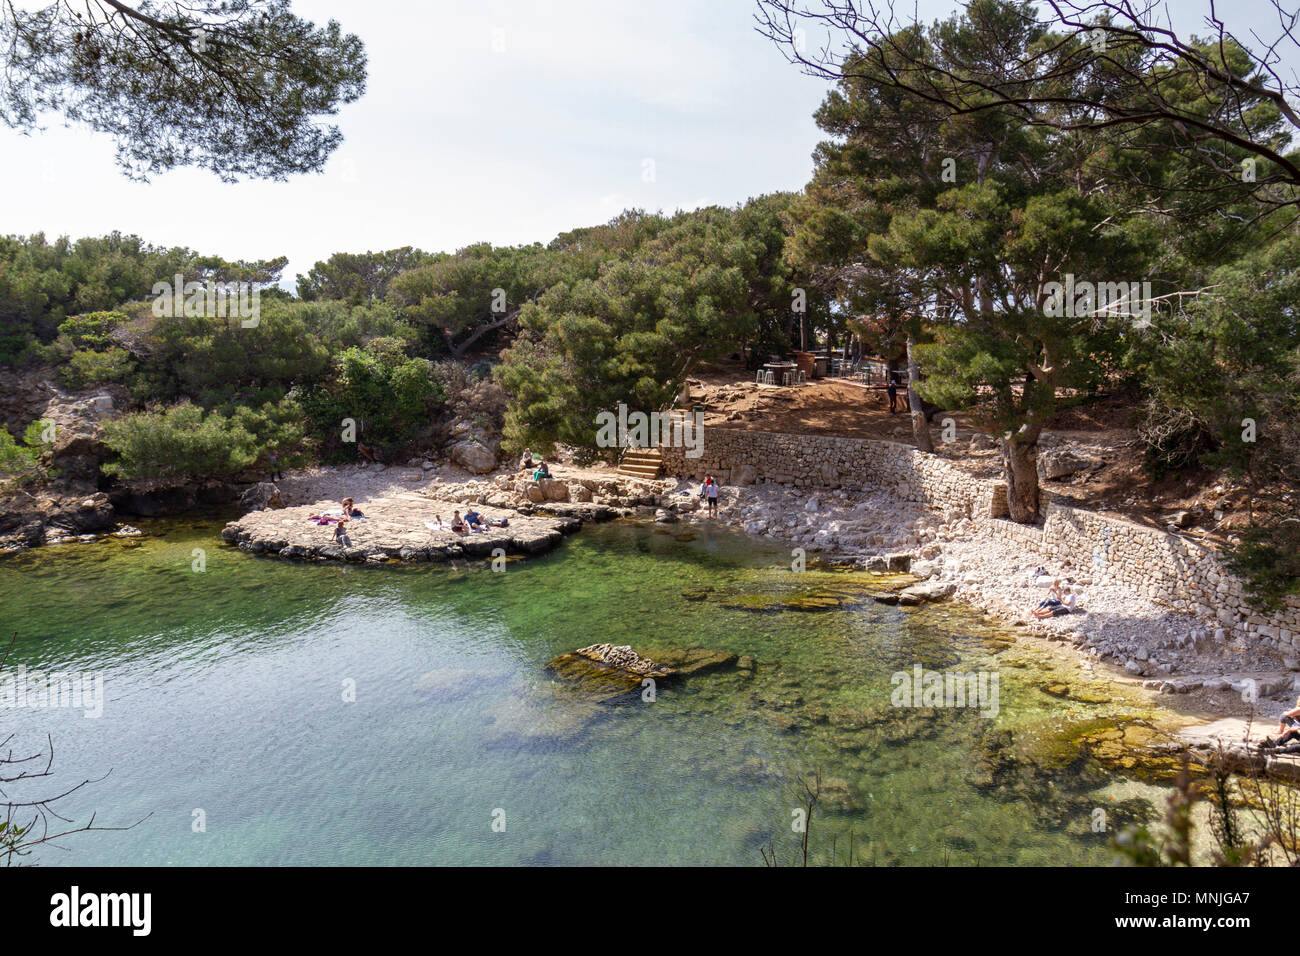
<point>920,428</point>
<point>1020,465</point>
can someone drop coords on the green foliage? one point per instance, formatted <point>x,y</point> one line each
<point>631,334</point>
<point>1267,558</point>
<point>1224,393</point>
<point>218,360</point>
<point>86,367</point>
<point>239,88</point>
<point>41,283</point>
<point>181,441</point>
<point>93,330</point>
<point>379,387</point>
<point>357,278</point>
<point>456,301</point>
<point>14,458</point>
<point>39,435</point>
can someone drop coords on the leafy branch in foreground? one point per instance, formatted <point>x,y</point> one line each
<point>234,86</point>
<point>1092,66</point>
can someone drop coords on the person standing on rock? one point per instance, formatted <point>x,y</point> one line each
<point>710,495</point>
<point>273,466</point>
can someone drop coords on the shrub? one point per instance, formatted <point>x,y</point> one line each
<point>471,396</point>
<point>385,392</point>
<point>86,367</point>
<point>94,330</point>
<point>14,458</point>
<point>1175,438</point>
<point>180,441</point>
<point>1267,558</point>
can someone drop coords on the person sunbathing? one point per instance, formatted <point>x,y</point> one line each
<point>351,510</point>
<point>436,524</point>
<point>458,524</point>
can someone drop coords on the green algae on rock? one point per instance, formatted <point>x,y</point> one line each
<point>606,672</point>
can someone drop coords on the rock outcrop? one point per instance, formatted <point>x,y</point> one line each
<point>260,497</point>
<point>393,529</point>
<point>474,455</point>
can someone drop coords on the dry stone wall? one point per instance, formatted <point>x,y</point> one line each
<point>818,461</point>
<point>1168,568</point>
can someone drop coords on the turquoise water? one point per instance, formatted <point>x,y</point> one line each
<point>225,693</point>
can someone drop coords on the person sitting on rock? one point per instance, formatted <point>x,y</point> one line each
<point>436,524</point>
<point>542,471</point>
<point>1288,728</point>
<point>1065,606</point>
<point>474,520</point>
<point>527,461</point>
<point>341,534</point>
<point>350,510</point>
<point>458,524</point>
<point>1048,607</point>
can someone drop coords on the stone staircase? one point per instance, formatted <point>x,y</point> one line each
<point>641,463</point>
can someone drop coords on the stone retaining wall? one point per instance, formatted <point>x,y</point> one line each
<point>1174,570</point>
<point>818,461</point>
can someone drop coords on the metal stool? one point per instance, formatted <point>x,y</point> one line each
<point>802,379</point>
<point>787,378</point>
<point>758,378</point>
<point>768,379</point>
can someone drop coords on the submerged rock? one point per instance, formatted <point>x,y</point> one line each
<point>606,672</point>
<point>690,661</point>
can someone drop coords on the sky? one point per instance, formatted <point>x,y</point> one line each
<point>506,121</point>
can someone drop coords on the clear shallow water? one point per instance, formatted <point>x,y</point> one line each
<point>224,691</point>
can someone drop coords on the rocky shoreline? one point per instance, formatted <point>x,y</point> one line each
<point>1231,691</point>
<point>1119,635</point>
